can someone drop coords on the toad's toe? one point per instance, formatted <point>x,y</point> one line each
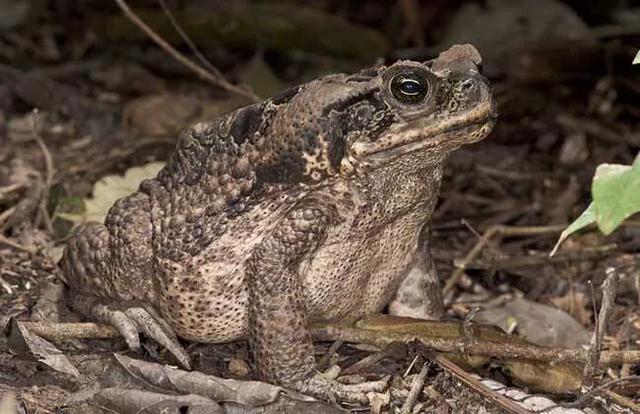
<point>131,319</point>
<point>151,327</point>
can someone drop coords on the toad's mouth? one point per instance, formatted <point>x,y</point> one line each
<point>441,134</point>
<point>444,141</point>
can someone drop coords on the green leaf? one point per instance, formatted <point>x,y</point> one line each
<point>587,217</point>
<point>616,194</point>
<point>636,60</point>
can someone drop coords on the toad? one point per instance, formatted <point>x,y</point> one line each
<point>306,207</point>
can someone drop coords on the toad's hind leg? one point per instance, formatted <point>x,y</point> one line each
<point>107,271</point>
<point>114,260</point>
<point>85,259</point>
<point>131,319</point>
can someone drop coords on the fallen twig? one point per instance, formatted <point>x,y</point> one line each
<point>48,165</point>
<point>61,332</point>
<point>498,399</point>
<point>512,350</point>
<point>609,290</point>
<point>48,159</point>
<point>194,49</point>
<point>197,69</point>
<point>620,400</point>
<point>597,130</point>
<point>4,216</point>
<point>498,230</point>
<point>324,361</point>
<point>605,390</point>
<point>411,13</point>
<point>15,245</point>
<point>566,256</point>
<point>374,358</point>
<point>416,387</point>
<point>9,189</point>
<point>515,350</point>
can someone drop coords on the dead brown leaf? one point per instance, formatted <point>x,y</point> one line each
<point>46,352</point>
<point>166,114</point>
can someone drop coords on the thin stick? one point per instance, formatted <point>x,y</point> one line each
<point>48,160</point>
<point>324,361</point>
<point>601,389</point>
<point>15,245</point>
<point>622,401</point>
<point>194,49</point>
<point>583,254</point>
<point>411,365</point>
<point>492,396</point>
<point>416,387</point>
<point>198,70</point>
<point>500,350</point>
<point>61,332</point>
<point>7,288</point>
<point>411,13</point>
<point>517,351</point>
<point>372,359</point>
<point>609,290</point>
<point>10,188</point>
<point>48,164</point>
<point>5,215</point>
<point>498,230</point>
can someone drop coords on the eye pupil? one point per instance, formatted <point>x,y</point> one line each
<point>409,88</point>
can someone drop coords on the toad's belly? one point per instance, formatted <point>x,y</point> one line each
<point>345,279</point>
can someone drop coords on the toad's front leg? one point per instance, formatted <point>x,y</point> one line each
<point>278,331</point>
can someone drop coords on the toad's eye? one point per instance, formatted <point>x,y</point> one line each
<point>409,88</point>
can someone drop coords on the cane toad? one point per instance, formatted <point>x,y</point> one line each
<point>306,207</point>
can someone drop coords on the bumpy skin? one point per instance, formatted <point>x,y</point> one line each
<point>306,207</point>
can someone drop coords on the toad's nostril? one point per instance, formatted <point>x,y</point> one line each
<point>467,85</point>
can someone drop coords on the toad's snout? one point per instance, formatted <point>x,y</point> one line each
<point>477,92</point>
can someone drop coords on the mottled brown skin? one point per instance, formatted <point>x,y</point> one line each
<point>306,207</point>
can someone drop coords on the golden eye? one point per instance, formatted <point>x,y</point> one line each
<point>409,87</point>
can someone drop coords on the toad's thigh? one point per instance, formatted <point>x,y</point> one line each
<point>207,305</point>
<point>206,318</point>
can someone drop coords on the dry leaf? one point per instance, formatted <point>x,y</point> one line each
<point>160,115</point>
<point>110,188</point>
<point>47,353</point>
<point>165,115</point>
<point>251,393</point>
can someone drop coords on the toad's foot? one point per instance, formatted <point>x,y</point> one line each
<point>329,390</point>
<point>130,321</point>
